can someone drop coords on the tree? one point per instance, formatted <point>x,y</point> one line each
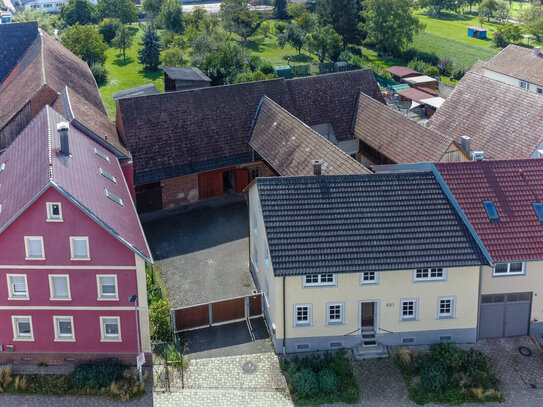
<point>307,22</point>
<point>86,42</point>
<point>108,28</point>
<point>507,33</point>
<point>122,40</point>
<point>149,53</point>
<point>324,42</point>
<point>229,10</point>
<point>294,36</point>
<point>222,66</point>
<point>173,56</point>
<point>42,17</point>
<point>488,8</point>
<point>201,48</point>
<point>435,7</point>
<point>171,16</point>
<point>502,12</point>
<point>78,11</point>
<point>390,24</point>
<point>246,22</point>
<point>280,9</point>
<point>471,3</point>
<point>344,17</point>
<point>153,6</point>
<point>533,21</point>
<point>295,10</point>
<point>196,18</point>
<point>124,10</point>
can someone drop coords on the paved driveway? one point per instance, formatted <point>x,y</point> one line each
<point>202,250</point>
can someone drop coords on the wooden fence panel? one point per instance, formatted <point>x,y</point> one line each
<point>192,317</point>
<point>255,305</point>
<point>228,310</point>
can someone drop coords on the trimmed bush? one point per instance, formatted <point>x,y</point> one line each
<point>418,65</point>
<point>433,376</point>
<point>266,68</point>
<point>96,375</point>
<point>431,71</point>
<point>305,382</point>
<point>99,72</point>
<point>328,381</point>
<point>448,354</point>
<point>458,73</point>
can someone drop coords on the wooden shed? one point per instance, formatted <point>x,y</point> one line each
<point>183,78</point>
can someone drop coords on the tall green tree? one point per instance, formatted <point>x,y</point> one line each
<point>222,66</point>
<point>123,40</point>
<point>78,11</point>
<point>124,10</point>
<point>86,42</point>
<point>294,36</point>
<point>171,16</point>
<point>280,9</point>
<point>344,16</point>
<point>151,46</point>
<point>390,24</point>
<point>153,6</point>
<point>435,7</point>
<point>533,20</point>
<point>488,8</point>
<point>246,22</point>
<point>230,9</point>
<point>45,22</point>
<point>324,42</point>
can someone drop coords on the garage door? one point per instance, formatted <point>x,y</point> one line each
<point>504,315</point>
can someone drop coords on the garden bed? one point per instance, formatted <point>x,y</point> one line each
<point>447,374</point>
<point>316,379</point>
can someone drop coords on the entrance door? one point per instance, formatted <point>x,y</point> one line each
<point>210,184</point>
<point>504,315</point>
<point>368,315</point>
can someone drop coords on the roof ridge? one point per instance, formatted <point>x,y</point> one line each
<point>49,143</point>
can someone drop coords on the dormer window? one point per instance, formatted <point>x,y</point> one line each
<point>54,212</point>
<point>491,211</point>
<point>538,208</point>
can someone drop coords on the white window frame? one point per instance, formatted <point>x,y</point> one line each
<point>52,288</point>
<point>62,337</point>
<point>509,273</point>
<point>50,217</point>
<point>539,90</point>
<point>110,338</point>
<point>415,316</point>
<point>27,248</point>
<point>450,315</point>
<point>525,85</point>
<point>429,271</point>
<point>12,295</point>
<point>72,248</point>
<point>302,324</point>
<point>15,327</point>
<point>305,284</point>
<point>375,281</point>
<point>107,297</point>
<point>340,321</point>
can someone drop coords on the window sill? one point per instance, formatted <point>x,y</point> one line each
<point>108,299</point>
<point>23,339</point>
<point>508,274</point>
<point>318,285</point>
<point>54,220</point>
<point>335,323</point>
<point>80,258</point>
<point>19,298</point>
<point>64,339</point>
<point>34,258</point>
<point>60,299</point>
<point>303,326</point>
<point>430,280</point>
<point>111,340</point>
<point>445,318</point>
<point>409,320</point>
<point>372,283</point>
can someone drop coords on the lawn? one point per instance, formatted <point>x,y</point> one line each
<point>126,74</point>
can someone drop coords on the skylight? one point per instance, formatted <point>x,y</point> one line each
<point>99,153</point>
<point>115,198</point>
<point>491,211</point>
<point>2,167</point>
<point>108,175</point>
<point>538,208</point>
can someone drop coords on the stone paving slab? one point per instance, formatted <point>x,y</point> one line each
<point>222,398</point>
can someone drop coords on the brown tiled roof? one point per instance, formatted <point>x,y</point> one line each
<point>289,145</point>
<point>415,94</point>
<point>402,71</point>
<point>518,62</point>
<point>394,135</point>
<point>180,133</point>
<point>331,98</point>
<point>477,67</point>
<point>502,120</point>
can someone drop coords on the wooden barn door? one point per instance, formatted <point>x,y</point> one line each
<point>210,184</point>
<point>242,180</point>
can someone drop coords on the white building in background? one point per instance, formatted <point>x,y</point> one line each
<point>51,6</point>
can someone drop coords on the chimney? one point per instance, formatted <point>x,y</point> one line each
<point>466,144</point>
<point>62,129</point>
<point>317,165</point>
<point>478,155</point>
<point>537,51</point>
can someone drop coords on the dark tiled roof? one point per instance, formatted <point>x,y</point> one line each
<point>289,145</point>
<point>518,62</point>
<point>15,39</point>
<point>402,71</point>
<point>185,73</point>
<point>33,163</point>
<point>513,186</point>
<point>179,133</point>
<point>415,94</point>
<point>502,120</point>
<point>394,135</point>
<point>143,90</point>
<point>354,223</point>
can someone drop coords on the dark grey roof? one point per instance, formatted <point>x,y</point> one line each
<point>185,73</point>
<point>15,38</point>
<point>354,223</point>
<point>143,90</point>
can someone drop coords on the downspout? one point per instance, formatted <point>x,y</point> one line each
<point>284,319</point>
<point>479,303</point>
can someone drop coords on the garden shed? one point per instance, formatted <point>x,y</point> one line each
<point>477,32</point>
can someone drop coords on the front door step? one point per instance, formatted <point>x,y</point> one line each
<point>362,351</point>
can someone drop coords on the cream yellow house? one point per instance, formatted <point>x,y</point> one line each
<point>363,259</point>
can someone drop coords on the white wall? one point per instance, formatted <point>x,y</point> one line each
<point>509,80</point>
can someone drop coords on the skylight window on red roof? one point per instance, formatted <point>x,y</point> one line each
<point>491,211</point>
<point>101,154</point>
<point>108,175</point>
<point>538,208</point>
<point>114,197</point>
<point>2,167</point>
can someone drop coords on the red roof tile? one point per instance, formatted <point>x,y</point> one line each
<point>513,186</point>
<point>415,94</point>
<point>402,71</point>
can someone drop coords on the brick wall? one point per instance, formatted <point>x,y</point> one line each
<point>55,359</point>
<point>180,190</point>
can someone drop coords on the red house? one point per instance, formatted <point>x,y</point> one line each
<point>72,250</point>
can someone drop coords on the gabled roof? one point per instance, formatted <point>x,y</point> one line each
<point>518,62</point>
<point>513,186</point>
<point>184,73</point>
<point>180,133</point>
<point>415,94</point>
<point>395,136</point>
<point>15,39</point>
<point>143,90</point>
<point>33,163</point>
<point>402,71</point>
<point>354,223</point>
<point>288,145</point>
<point>502,120</point>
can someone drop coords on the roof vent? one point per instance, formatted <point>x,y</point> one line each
<point>317,165</point>
<point>62,129</point>
<point>466,144</point>
<point>478,155</point>
<point>537,51</point>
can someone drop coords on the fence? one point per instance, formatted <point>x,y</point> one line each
<point>167,365</point>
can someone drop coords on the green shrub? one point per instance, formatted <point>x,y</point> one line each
<point>99,72</point>
<point>428,57</point>
<point>108,28</point>
<point>313,362</point>
<point>431,71</point>
<point>283,364</point>
<point>499,40</point>
<point>154,292</point>
<point>340,364</point>
<point>266,68</point>
<point>53,385</point>
<point>280,27</point>
<point>418,65</point>
<point>448,354</point>
<point>254,62</point>
<point>328,381</point>
<point>305,382</point>
<point>433,376</point>
<point>96,375</point>
<point>458,73</point>
<point>159,321</point>
<point>453,396</point>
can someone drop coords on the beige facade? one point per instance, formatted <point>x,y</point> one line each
<point>143,310</point>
